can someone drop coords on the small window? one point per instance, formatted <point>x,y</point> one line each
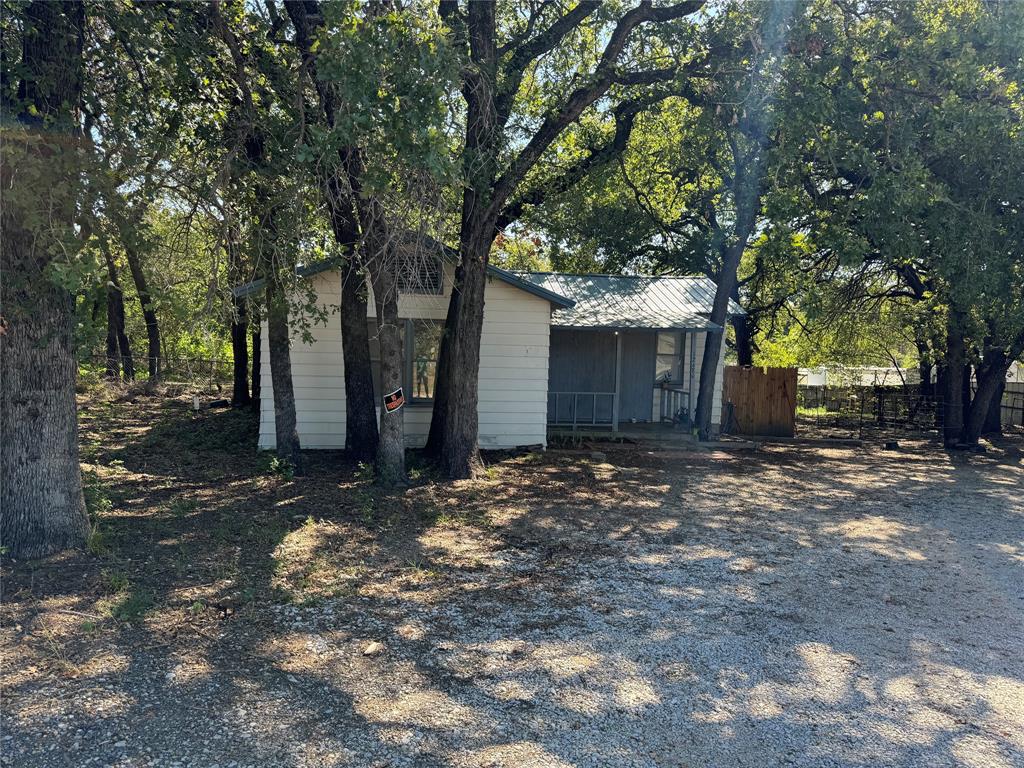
<point>426,340</point>
<point>668,361</point>
<point>420,272</point>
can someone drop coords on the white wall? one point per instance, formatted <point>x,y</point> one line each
<point>512,381</point>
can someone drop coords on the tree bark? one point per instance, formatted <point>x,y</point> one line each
<point>435,437</point>
<point>455,423</point>
<point>240,352</point>
<point>239,319</point>
<point>953,373</point>
<point>119,351</point>
<point>991,382</point>
<point>361,433</point>
<point>390,459</point>
<point>743,329</point>
<point>744,339</point>
<point>459,423</point>
<point>257,356</point>
<point>148,309</point>
<point>113,369</point>
<point>927,386</point>
<point>279,336</point>
<point>994,418</point>
<point>748,196</point>
<point>40,480</point>
<point>361,436</point>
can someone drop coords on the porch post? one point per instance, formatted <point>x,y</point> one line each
<point>618,380</point>
<point>691,404</point>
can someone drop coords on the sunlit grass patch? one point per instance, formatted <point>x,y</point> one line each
<point>314,562</point>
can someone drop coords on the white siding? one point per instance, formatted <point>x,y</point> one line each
<point>512,380</point>
<point>317,376</point>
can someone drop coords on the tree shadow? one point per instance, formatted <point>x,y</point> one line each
<point>665,608</point>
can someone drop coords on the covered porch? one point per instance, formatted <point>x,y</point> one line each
<point>627,354</point>
<point>610,380</point>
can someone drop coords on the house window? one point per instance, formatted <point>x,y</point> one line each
<point>420,272</point>
<point>669,358</point>
<point>426,340</point>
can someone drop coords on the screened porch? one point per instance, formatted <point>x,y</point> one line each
<point>604,378</point>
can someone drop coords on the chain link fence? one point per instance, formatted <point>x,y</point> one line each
<point>209,374</point>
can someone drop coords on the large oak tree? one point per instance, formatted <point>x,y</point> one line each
<point>43,508</point>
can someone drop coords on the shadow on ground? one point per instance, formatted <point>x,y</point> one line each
<point>786,606</point>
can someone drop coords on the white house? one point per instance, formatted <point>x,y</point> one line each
<point>558,351</point>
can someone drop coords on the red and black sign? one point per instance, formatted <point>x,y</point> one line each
<point>394,401</point>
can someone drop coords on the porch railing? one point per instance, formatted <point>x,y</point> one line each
<point>675,405</point>
<point>581,408</point>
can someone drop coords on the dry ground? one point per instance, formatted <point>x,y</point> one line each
<point>813,607</point>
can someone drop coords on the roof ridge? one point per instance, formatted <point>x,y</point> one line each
<point>611,274</point>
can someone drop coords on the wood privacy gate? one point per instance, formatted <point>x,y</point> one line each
<point>759,401</point>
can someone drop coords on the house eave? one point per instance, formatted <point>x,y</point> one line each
<point>316,267</point>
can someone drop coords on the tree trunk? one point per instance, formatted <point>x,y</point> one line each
<point>119,350</point>
<point>257,355</point>
<point>113,369</point>
<point>743,329</point>
<point>454,424</point>
<point>361,436</point>
<point>939,391</point>
<point>239,318</point>
<point>240,352</point>
<point>953,372</point>
<point>991,382</point>
<point>279,336</point>
<point>148,311</point>
<point>435,437</point>
<point>390,459</point>
<point>993,424</point>
<point>720,308</point>
<point>458,454</point>
<point>40,480</point>
<point>744,339</point>
<point>927,386</point>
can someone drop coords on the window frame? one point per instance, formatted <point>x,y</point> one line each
<point>410,360</point>
<point>678,357</point>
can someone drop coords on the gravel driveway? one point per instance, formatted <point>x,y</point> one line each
<point>806,607</point>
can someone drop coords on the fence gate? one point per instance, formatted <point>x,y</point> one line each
<point>763,401</point>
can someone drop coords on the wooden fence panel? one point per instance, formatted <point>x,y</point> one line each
<point>763,400</point>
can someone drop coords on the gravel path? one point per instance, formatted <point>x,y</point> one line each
<point>786,607</point>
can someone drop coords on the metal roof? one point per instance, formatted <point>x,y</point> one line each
<point>524,283</point>
<point>631,301</point>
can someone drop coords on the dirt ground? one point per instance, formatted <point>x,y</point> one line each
<point>786,606</point>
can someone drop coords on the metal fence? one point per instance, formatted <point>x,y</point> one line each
<point>867,411</point>
<point>1012,411</point>
<point>580,408</point>
<point>212,373</point>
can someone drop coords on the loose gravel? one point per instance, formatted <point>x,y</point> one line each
<point>784,607</point>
